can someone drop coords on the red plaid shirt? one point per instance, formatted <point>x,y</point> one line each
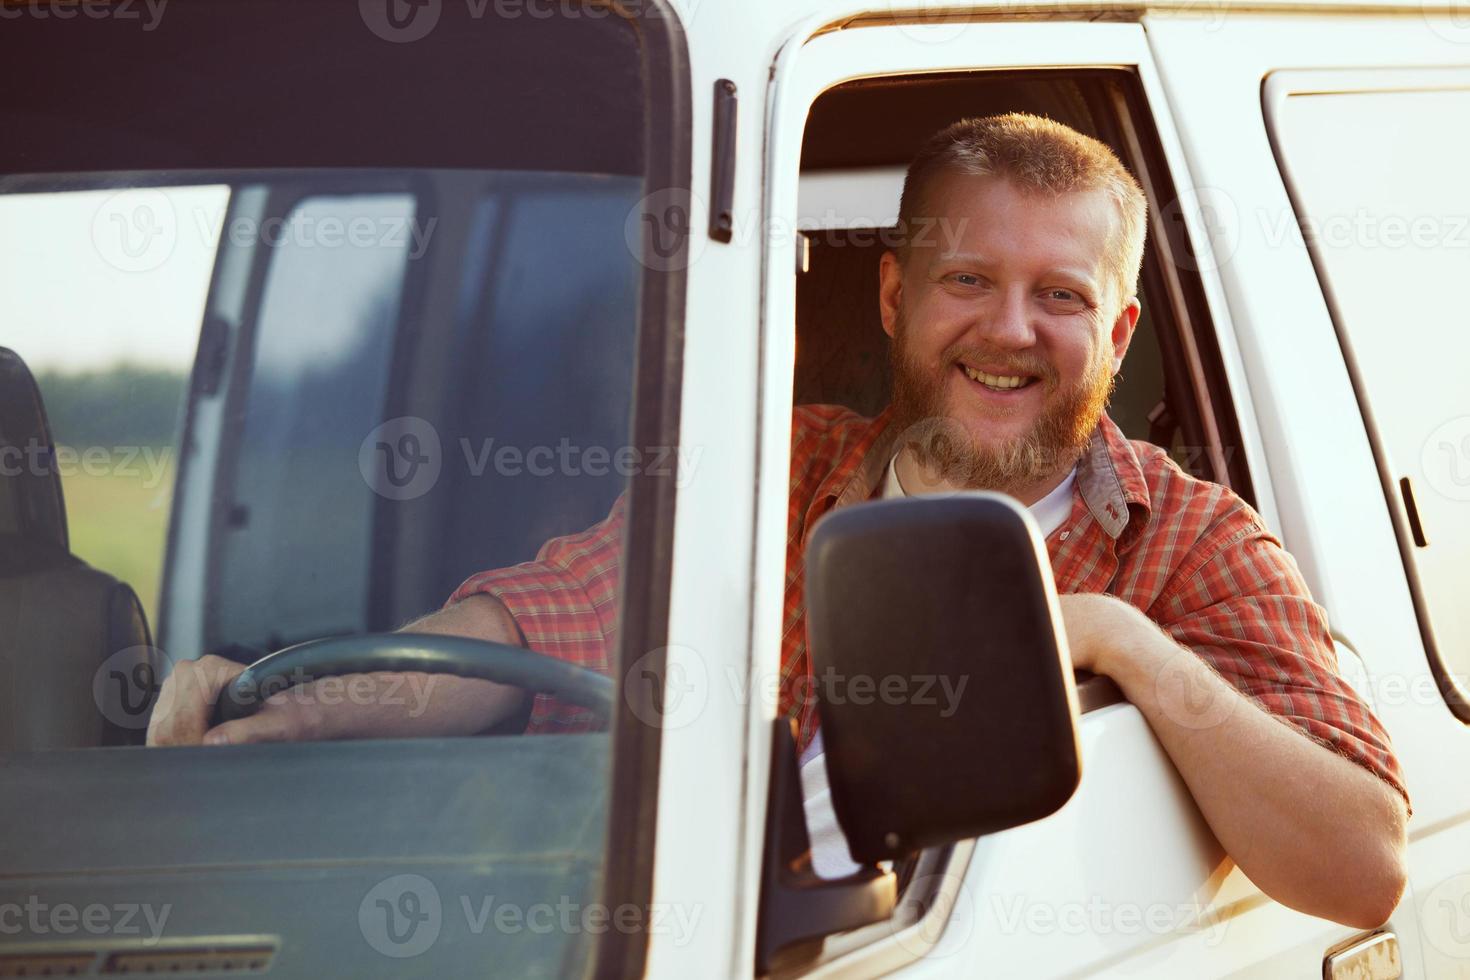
<point>1191,554</point>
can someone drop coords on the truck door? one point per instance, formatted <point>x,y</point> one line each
<point>1127,877</point>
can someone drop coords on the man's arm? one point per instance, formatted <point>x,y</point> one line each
<point>1312,829</point>
<point>563,604</point>
<point>382,705</point>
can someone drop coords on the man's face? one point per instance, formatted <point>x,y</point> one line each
<point>1006,326</point>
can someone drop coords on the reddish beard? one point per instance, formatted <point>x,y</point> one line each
<point>943,445</point>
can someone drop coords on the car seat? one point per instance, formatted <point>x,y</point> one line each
<point>77,667</point>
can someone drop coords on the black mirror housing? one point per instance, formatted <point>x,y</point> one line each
<point>940,664</point>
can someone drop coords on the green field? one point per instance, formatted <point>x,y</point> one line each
<point>117,511</point>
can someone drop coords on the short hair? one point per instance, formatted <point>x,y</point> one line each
<point>1038,155</point>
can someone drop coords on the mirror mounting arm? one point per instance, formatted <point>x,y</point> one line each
<point>796,904</point>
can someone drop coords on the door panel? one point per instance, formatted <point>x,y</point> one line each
<point>1335,516</point>
<point>1127,878</point>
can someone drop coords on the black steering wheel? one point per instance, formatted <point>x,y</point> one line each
<point>425,653</point>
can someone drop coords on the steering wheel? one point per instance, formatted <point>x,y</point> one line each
<point>425,653</point>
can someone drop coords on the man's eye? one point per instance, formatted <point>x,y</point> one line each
<point>1068,300</point>
<point>964,278</point>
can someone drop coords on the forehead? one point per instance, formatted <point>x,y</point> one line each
<point>993,218</point>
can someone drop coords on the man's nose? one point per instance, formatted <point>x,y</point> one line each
<point>1007,323</point>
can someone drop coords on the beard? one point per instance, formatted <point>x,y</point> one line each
<point>945,447</point>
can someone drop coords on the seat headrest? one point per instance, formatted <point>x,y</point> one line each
<point>31,504</point>
<point>842,355</point>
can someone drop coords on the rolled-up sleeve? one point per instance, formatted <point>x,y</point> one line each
<point>565,602</point>
<point>1244,607</point>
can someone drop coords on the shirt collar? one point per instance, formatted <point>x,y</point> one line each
<point>1110,478</point>
<point>1110,481</point>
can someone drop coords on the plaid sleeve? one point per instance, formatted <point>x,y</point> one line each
<point>1245,609</point>
<point>566,604</point>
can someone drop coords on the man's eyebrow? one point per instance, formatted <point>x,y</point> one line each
<point>1079,276</point>
<point>965,258</point>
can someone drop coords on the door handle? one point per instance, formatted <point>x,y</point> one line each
<point>1373,957</point>
<point>1411,510</point>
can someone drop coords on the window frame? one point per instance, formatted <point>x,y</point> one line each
<point>648,570</point>
<point>1276,88</point>
<point>817,60</point>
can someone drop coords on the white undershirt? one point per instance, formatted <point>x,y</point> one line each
<point>830,857</point>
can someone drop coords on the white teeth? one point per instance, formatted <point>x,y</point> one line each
<point>995,380</point>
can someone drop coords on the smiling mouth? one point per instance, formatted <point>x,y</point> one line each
<point>1002,383</point>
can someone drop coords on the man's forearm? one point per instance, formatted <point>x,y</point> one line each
<point>1311,829</point>
<point>373,705</point>
<point>459,705</point>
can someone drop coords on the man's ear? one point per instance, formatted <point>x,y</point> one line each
<point>890,290</point>
<point>1122,334</point>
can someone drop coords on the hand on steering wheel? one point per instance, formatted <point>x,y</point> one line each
<point>426,653</point>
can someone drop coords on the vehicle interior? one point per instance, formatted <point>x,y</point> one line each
<point>56,611</point>
<point>1170,391</point>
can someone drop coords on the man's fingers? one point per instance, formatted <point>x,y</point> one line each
<point>267,726</point>
<point>186,700</point>
<point>292,715</point>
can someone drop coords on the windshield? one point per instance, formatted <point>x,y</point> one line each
<point>322,352</point>
<point>442,367</point>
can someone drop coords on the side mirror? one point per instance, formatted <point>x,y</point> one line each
<point>944,684</point>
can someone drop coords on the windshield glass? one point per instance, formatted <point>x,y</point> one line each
<point>438,359</point>
<point>342,348</point>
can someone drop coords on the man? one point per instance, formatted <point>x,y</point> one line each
<point>1006,340</point>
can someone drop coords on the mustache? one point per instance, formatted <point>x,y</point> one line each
<point>1010,362</point>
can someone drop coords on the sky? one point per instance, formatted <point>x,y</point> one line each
<point>89,279</point>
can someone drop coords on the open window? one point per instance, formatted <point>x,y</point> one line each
<point>1170,391</point>
<point>852,108</point>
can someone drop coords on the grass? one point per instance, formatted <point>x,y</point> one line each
<point>117,510</point>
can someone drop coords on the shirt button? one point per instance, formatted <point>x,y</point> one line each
<point>1063,535</point>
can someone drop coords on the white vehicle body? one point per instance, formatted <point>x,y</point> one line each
<point>1309,240</point>
<point>1126,879</point>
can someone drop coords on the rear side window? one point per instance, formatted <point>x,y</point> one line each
<point>296,550</point>
<point>1388,223</point>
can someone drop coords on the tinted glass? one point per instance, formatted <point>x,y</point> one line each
<point>319,334</point>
